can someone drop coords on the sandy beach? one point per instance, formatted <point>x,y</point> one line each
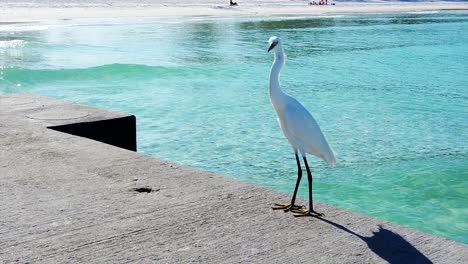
<point>13,11</point>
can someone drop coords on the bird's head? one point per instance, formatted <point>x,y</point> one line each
<point>273,42</point>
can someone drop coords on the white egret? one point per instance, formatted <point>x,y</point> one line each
<point>299,128</point>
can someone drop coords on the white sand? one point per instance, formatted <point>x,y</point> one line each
<point>11,10</point>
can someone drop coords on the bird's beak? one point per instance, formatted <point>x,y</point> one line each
<point>272,46</point>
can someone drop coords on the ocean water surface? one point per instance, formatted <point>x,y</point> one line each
<point>389,91</point>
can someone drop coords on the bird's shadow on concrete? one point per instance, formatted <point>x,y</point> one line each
<point>388,245</point>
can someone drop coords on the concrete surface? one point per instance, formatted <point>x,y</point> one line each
<point>68,199</point>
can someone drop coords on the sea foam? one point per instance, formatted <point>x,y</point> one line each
<point>15,43</point>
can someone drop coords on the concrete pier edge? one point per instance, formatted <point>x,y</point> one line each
<point>68,198</point>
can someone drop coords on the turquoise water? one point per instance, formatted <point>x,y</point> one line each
<point>389,91</point>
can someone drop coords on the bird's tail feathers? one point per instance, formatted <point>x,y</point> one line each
<point>330,159</point>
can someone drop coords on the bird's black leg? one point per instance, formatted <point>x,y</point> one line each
<point>292,207</point>
<point>299,177</point>
<point>311,204</point>
<point>309,179</point>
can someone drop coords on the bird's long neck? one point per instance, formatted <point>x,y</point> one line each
<point>275,89</point>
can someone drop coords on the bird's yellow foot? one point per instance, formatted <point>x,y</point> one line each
<point>287,207</point>
<point>305,212</point>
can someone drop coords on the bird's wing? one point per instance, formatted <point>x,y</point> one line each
<point>307,133</point>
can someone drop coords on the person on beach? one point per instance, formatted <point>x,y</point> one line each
<point>321,2</point>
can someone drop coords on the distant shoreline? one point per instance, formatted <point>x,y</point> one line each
<point>16,11</point>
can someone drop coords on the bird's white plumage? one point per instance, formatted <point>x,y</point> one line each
<point>297,124</point>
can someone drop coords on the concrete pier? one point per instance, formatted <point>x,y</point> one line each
<point>69,198</point>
